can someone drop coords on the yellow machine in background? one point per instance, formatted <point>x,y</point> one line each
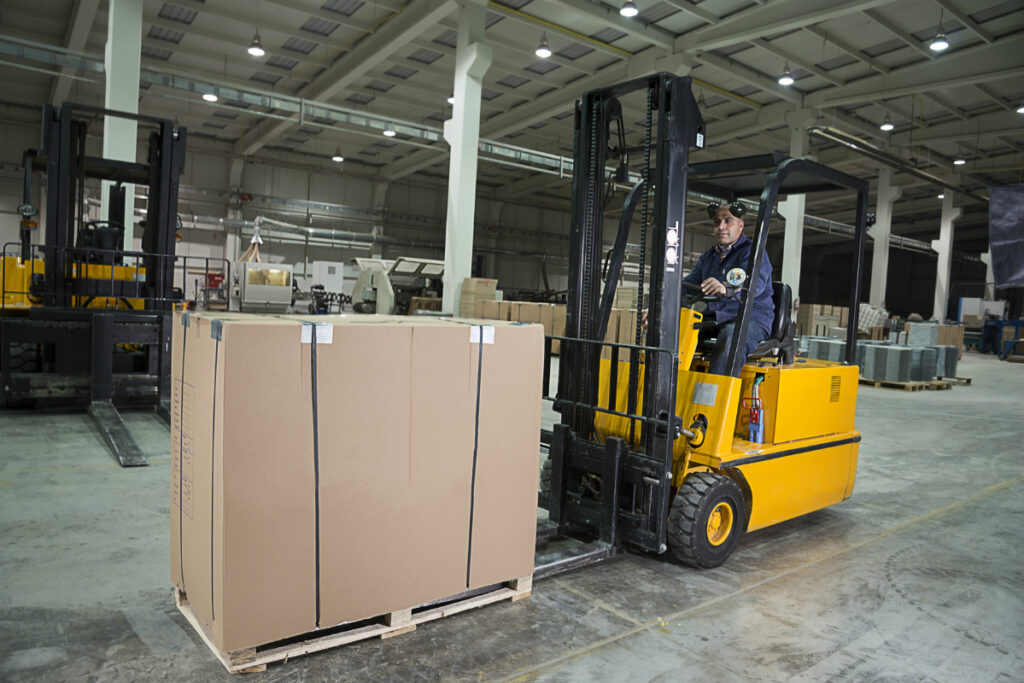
<point>18,276</point>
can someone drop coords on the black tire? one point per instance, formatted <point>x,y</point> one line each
<point>697,539</point>
<point>24,358</point>
<point>545,478</point>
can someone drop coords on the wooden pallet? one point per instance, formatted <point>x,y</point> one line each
<point>932,385</point>
<point>385,626</point>
<point>956,380</point>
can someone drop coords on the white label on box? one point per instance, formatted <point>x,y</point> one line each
<point>488,334</point>
<point>705,394</point>
<point>324,334</point>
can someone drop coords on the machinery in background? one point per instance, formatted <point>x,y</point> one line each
<point>263,287</point>
<point>388,287</point>
<point>83,321</point>
<point>651,449</point>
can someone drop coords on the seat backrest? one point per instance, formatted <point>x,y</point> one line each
<point>782,297</point>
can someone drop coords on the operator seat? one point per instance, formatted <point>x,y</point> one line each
<point>780,341</point>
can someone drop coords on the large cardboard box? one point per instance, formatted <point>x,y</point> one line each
<point>476,289</point>
<point>490,310</point>
<point>529,313</point>
<point>505,310</point>
<point>294,508</point>
<point>558,327</point>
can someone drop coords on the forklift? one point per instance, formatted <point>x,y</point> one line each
<point>651,451</point>
<point>85,321</point>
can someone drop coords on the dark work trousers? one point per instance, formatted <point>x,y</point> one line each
<point>720,355</point>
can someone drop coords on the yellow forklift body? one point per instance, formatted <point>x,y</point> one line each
<point>17,279</point>
<point>808,459</point>
<point>98,271</point>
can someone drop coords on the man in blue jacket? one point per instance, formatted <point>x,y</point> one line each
<point>724,263</point>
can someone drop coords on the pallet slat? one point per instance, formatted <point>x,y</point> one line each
<point>931,385</point>
<point>393,624</point>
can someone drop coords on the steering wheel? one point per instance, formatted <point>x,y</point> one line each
<point>696,294</point>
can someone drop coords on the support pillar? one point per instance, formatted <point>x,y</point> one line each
<point>121,61</point>
<point>793,207</point>
<point>380,205</point>
<point>944,247</point>
<point>462,132</point>
<point>990,278</point>
<point>880,231</point>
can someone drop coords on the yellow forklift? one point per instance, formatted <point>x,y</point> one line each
<point>651,450</point>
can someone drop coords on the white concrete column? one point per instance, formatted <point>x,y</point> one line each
<point>990,278</point>
<point>944,247</point>
<point>880,231</point>
<point>121,62</point>
<point>793,207</point>
<point>380,205</point>
<point>462,131</point>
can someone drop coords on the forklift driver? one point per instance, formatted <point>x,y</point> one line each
<point>720,273</point>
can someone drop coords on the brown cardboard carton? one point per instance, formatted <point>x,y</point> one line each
<point>505,311</point>
<point>478,309</point>
<point>558,327</point>
<point>529,313</point>
<point>627,328</point>
<point>547,318</point>
<point>491,310</point>
<point>476,289</point>
<point>275,532</point>
<point>612,333</point>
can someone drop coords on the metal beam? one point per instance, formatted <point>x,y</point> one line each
<point>994,97</point>
<point>650,33</point>
<point>768,19</point>
<point>806,64</point>
<point>534,22</point>
<point>694,10</point>
<point>992,124</point>
<point>966,20</point>
<point>946,104</point>
<point>973,65</point>
<point>751,76</point>
<point>79,28</point>
<point>367,54</point>
<point>848,49</point>
<point>892,28</point>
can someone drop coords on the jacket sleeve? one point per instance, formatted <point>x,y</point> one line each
<point>695,277</point>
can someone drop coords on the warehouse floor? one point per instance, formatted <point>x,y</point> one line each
<point>919,576</point>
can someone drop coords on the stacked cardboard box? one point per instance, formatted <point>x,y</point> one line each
<point>318,479</point>
<point>476,289</point>
<point>818,319</point>
<point>550,316</point>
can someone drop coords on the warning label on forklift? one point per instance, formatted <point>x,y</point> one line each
<point>704,394</point>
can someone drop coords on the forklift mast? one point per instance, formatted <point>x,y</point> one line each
<point>672,125</point>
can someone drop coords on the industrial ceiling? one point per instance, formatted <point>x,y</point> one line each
<point>335,75</point>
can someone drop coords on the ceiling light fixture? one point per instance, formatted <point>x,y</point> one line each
<point>786,78</point>
<point>941,195</point>
<point>256,47</point>
<point>209,97</point>
<point>543,50</point>
<point>390,132</point>
<point>1020,109</point>
<point>887,125</point>
<point>939,43</point>
<point>337,156</point>
<point>451,98</point>
<point>629,9</point>
<point>959,162</point>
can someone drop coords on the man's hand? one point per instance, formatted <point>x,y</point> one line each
<point>712,287</point>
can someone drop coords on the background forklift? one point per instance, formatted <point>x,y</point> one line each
<point>84,321</point>
<point>652,451</point>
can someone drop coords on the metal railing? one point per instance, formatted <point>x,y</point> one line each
<point>114,277</point>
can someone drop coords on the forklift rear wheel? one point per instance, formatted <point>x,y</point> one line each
<point>706,520</point>
<point>545,477</point>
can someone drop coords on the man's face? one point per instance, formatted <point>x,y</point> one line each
<point>728,228</point>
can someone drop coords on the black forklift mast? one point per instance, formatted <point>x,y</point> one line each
<point>68,166</point>
<point>629,490</point>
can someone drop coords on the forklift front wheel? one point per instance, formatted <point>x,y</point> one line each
<point>706,519</point>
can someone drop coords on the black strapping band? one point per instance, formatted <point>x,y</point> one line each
<point>476,444</point>
<point>216,333</point>
<point>181,453</point>
<point>316,467</point>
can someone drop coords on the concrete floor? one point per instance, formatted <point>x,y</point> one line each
<point>920,576</point>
